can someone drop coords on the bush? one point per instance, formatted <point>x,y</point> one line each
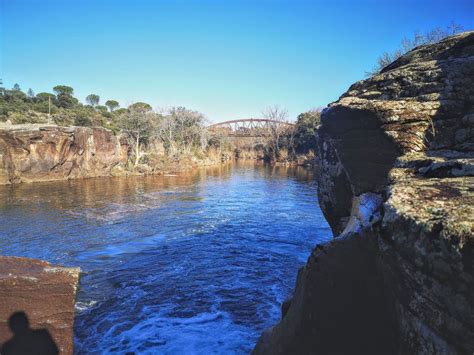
<point>305,130</point>
<point>43,106</point>
<point>407,44</point>
<point>82,121</point>
<point>27,117</point>
<point>102,109</point>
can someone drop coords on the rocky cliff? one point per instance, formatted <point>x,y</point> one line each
<point>397,188</point>
<point>38,153</point>
<point>37,303</point>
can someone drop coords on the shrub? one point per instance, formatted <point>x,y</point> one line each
<point>82,121</point>
<point>407,44</point>
<point>305,130</point>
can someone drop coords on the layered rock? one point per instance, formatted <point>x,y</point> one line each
<point>397,187</point>
<point>44,293</point>
<point>38,153</point>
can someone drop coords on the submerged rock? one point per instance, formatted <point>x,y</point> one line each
<point>396,185</point>
<point>41,153</point>
<point>37,292</point>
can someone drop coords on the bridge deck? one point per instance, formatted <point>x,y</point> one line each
<point>251,127</point>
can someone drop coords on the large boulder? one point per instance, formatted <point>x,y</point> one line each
<point>397,188</point>
<point>38,153</point>
<point>44,294</point>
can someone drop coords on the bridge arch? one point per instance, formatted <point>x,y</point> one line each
<point>249,127</point>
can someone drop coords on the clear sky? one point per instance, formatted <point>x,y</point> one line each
<point>228,59</point>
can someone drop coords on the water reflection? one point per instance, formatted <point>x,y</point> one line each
<point>195,263</point>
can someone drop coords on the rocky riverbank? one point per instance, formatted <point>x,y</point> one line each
<point>396,185</point>
<point>36,152</point>
<point>37,302</point>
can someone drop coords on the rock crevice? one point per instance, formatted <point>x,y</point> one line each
<point>396,185</point>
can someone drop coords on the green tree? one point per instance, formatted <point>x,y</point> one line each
<point>31,93</point>
<point>305,130</point>
<point>140,106</point>
<point>64,96</point>
<point>15,95</point>
<point>93,99</point>
<point>16,87</point>
<point>66,101</point>
<point>45,96</point>
<point>63,89</point>
<point>112,105</point>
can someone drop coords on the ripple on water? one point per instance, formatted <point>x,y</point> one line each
<point>196,264</point>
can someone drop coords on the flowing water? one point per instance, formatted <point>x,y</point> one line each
<point>190,264</point>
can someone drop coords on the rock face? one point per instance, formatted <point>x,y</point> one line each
<point>46,295</point>
<point>397,187</point>
<point>38,153</point>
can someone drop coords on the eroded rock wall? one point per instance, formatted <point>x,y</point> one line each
<point>397,187</point>
<point>45,294</point>
<point>41,153</point>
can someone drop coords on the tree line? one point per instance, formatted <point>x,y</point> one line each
<point>177,131</point>
<point>60,107</point>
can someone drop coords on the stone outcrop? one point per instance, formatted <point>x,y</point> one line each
<point>44,293</point>
<point>397,188</point>
<point>40,153</point>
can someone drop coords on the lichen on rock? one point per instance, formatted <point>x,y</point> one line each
<point>403,142</point>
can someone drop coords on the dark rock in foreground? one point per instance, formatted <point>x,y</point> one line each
<point>46,295</point>
<point>397,188</point>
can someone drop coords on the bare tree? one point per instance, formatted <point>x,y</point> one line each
<point>407,44</point>
<point>220,140</point>
<point>278,116</point>
<point>183,130</point>
<point>292,139</point>
<point>139,123</point>
<point>166,132</point>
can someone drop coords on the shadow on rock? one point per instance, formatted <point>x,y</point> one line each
<point>26,340</point>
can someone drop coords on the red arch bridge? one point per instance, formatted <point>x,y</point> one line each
<point>250,127</point>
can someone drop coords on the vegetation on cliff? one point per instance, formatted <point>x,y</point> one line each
<point>399,201</point>
<point>418,39</point>
<point>154,137</point>
<point>60,107</point>
<point>175,133</point>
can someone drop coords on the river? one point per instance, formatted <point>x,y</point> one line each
<point>192,264</point>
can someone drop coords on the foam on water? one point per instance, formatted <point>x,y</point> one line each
<point>196,265</point>
<point>200,334</point>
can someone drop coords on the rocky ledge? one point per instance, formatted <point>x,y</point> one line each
<point>396,185</point>
<point>40,153</point>
<point>37,300</point>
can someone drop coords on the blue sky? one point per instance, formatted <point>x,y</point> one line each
<point>228,59</point>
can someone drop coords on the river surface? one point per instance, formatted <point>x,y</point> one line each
<point>191,264</point>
